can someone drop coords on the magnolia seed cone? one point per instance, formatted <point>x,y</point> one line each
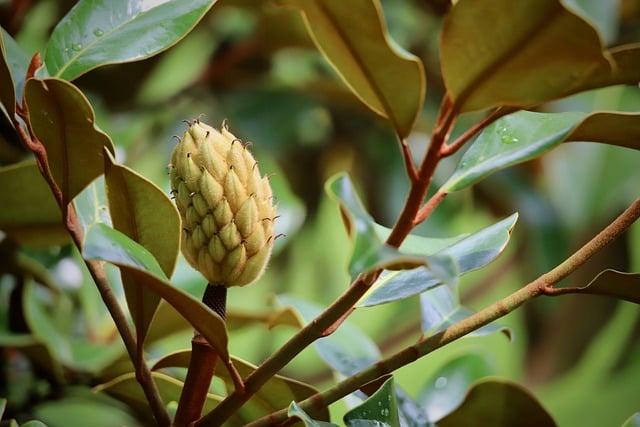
<point>226,206</point>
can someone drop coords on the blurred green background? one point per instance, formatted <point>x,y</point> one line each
<point>254,64</point>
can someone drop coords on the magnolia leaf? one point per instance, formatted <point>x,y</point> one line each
<point>127,389</point>
<point>612,283</point>
<point>532,51</point>
<point>13,69</point>
<point>381,407</point>
<point>525,135</point>
<point>167,321</point>
<point>347,350</point>
<point>626,69</point>
<point>448,386</point>
<point>469,253</point>
<point>276,393</point>
<point>297,412</point>
<point>29,214</point>
<point>100,32</point>
<point>622,129</point>
<point>106,244</point>
<point>63,120</point>
<point>632,421</point>
<point>369,251</point>
<point>440,308</point>
<point>141,210</point>
<point>386,78</point>
<point>498,403</point>
<point>80,405</point>
<point>512,139</point>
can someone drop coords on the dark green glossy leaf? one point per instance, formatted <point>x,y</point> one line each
<point>512,139</point>
<point>81,405</point>
<point>276,393</point>
<point>622,129</point>
<point>64,122</point>
<point>106,244</point>
<point>532,51</point>
<point>297,412</point>
<point>446,389</point>
<point>469,253</point>
<point>522,136</point>
<point>17,62</point>
<point>632,421</point>
<point>126,389</point>
<point>142,211</point>
<point>25,221</point>
<point>347,350</point>
<point>441,308</point>
<point>99,32</point>
<point>381,407</point>
<point>371,64</point>
<point>625,286</point>
<point>369,252</point>
<point>498,404</point>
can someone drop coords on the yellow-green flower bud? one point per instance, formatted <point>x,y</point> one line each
<point>225,205</point>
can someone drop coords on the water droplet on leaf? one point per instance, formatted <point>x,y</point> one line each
<point>76,46</point>
<point>441,382</point>
<point>98,32</point>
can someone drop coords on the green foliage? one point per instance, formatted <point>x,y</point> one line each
<point>63,120</point>
<point>276,393</point>
<point>469,253</point>
<point>28,223</point>
<point>106,244</point>
<point>82,204</point>
<point>373,66</point>
<point>97,33</point>
<point>369,252</point>
<point>379,409</point>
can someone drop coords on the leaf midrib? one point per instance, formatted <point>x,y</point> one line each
<point>360,63</point>
<point>534,32</point>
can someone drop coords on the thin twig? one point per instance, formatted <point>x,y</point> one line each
<point>333,315</point>
<point>450,149</point>
<point>429,207</point>
<point>499,309</point>
<point>412,172</point>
